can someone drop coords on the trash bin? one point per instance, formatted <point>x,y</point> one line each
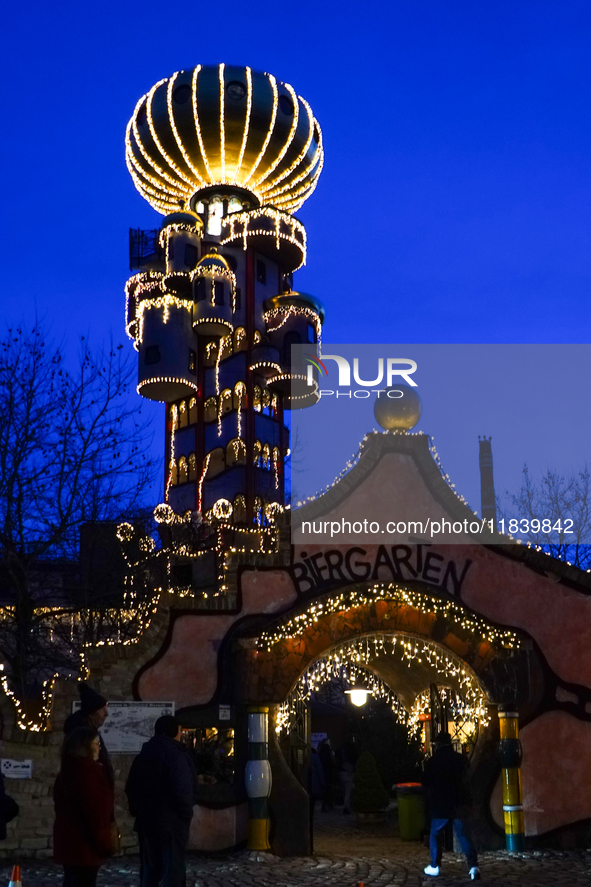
<point>412,816</point>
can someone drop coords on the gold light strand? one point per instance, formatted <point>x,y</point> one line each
<point>293,311</point>
<point>172,461</point>
<point>157,141</point>
<point>246,121</point>
<point>240,390</point>
<point>292,132</point>
<point>304,150</point>
<point>354,598</point>
<point>161,172</point>
<point>175,132</point>
<point>312,172</point>
<point>201,479</point>
<point>165,302</point>
<point>254,167</point>
<point>222,129</point>
<point>279,217</point>
<point>155,379</point>
<point>196,118</point>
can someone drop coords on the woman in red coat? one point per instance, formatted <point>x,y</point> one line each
<point>83,798</point>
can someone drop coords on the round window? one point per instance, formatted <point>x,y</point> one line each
<point>181,94</point>
<point>235,90</point>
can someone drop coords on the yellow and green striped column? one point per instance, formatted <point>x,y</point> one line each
<point>258,777</point>
<point>510,756</point>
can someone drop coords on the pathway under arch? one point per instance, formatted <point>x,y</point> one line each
<point>271,663</point>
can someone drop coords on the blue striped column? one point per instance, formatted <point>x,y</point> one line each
<point>258,777</point>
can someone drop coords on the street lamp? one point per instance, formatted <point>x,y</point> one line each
<point>358,695</point>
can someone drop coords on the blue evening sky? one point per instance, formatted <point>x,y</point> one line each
<point>454,203</point>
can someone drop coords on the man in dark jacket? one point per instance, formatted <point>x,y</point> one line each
<point>443,779</point>
<point>161,790</point>
<point>93,712</point>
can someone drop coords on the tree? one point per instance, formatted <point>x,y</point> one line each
<point>72,450</point>
<point>554,513</point>
<point>369,795</point>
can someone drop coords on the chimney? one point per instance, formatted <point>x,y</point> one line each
<point>488,505</point>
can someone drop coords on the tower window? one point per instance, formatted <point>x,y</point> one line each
<point>152,355</point>
<point>199,289</point>
<point>311,334</point>
<point>215,212</point>
<point>192,362</point>
<point>191,255</point>
<point>261,272</point>
<point>219,292</point>
<point>182,94</point>
<point>235,90</point>
<point>290,339</point>
<point>238,298</point>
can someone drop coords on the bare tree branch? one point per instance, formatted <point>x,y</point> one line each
<point>557,509</point>
<point>72,450</point>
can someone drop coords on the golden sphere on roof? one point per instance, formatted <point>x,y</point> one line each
<point>223,125</point>
<point>397,408</point>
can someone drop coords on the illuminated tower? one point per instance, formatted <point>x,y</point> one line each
<point>227,154</point>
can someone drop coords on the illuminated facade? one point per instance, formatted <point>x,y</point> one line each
<point>227,154</point>
<point>239,623</point>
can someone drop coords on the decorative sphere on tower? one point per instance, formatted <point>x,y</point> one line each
<point>223,125</point>
<point>398,408</point>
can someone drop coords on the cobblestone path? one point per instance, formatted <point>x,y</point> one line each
<point>345,855</point>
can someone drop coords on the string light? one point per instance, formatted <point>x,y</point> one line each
<point>353,598</point>
<point>157,379</point>
<point>290,311</point>
<point>222,129</point>
<point>243,226</point>
<point>179,141</point>
<point>247,123</point>
<point>354,662</point>
<point>161,180</point>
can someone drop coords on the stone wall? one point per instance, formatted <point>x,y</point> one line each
<point>112,671</point>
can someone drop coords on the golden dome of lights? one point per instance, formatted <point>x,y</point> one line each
<point>223,125</point>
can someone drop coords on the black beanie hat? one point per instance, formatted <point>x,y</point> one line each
<point>90,700</point>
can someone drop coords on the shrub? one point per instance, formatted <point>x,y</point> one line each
<point>369,793</point>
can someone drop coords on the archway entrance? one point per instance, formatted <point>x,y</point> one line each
<point>426,687</point>
<point>431,660</point>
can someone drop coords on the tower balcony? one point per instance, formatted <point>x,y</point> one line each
<point>272,232</point>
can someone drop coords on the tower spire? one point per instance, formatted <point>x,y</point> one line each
<point>488,504</point>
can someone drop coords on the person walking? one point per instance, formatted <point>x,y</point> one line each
<point>443,779</point>
<point>161,790</point>
<point>315,785</point>
<point>93,712</point>
<point>84,801</point>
